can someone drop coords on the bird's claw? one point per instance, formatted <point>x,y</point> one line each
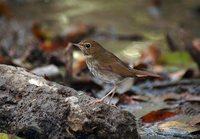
<point>96,101</point>
<point>101,100</point>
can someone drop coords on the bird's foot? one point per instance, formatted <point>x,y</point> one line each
<point>102,100</point>
<point>96,101</point>
<point>114,106</point>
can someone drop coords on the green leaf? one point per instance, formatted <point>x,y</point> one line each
<point>177,58</point>
<point>8,136</point>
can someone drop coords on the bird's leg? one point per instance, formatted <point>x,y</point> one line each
<point>111,92</point>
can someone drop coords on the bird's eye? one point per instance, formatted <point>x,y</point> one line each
<point>87,45</point>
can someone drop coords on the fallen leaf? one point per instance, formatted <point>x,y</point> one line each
<point>78,66</point>
<point>169,97</point>
<point>195,121</point>
<point>196,44</point>
<point>150,55</point>
<point>176,127</point>
<point>140,98</point>
<point>177,75</point>
<point>158,68</point>
<point>191,98</point>
<point>159,115</point>
<point>8,136</point>
<point>47,71</point>
<point>51,43</point>
<point>176,58</point>
<point>40,33</point>
<point>6,60</point>
<point>5,10</point>
<point>78,32</point>
<point>125,99</point>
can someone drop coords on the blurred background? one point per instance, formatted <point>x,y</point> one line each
<point>123,27</point>
<point>162,36</point>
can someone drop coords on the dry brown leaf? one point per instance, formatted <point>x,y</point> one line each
<point>38,32</point>
<point>176,127</point>
<point>78,32</point>
<point>195,121</point>
<point>177,75</point>
<point>191,98</point>
<point>78,65</point>
<point>5,10</point>
<point>140,98</point>
<point>158,115</point>
<point>150,55</point>
<point>169,96</point>
<point>125,99</point>
<point>196,44</point>
<point>6,60</point>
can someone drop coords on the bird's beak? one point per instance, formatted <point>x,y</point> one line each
<point>77,45</point>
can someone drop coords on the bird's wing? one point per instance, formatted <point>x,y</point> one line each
<point>112,63</point>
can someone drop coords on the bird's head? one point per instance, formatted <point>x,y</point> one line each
<point>90,48</point>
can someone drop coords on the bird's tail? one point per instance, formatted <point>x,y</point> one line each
<point>144,73</point>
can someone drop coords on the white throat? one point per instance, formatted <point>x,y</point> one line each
<point>88,56</point>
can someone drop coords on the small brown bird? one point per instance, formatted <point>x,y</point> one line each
<point>106,66</point>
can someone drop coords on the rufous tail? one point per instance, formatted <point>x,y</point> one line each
<point>144,73</point>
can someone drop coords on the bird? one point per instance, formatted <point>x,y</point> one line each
<point>107,67</point>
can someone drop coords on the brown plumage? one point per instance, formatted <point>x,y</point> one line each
<point>106,66</point>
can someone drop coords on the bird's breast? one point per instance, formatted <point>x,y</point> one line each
<point>104,75</point>
<point>93,65</point>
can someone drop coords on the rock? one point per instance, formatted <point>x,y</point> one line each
<point>33,107</point>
